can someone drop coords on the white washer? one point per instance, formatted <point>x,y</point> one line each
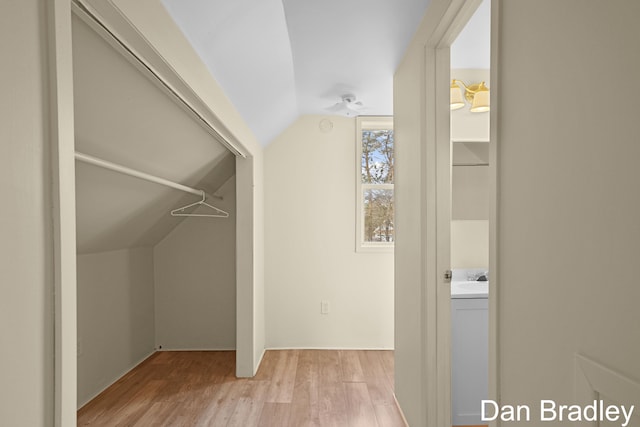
<point>469,346</point>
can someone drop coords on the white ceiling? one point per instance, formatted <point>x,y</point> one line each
<point>472,47</point>
<point>122,117</point>
<point>277,59</point>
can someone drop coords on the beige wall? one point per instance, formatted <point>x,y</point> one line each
<point>195,281</point>
<point>115,316</point>
<point>470,192</point>
<point>410,367</point>
<point>310,211</point>
<point>470,244</point>
<point>470,184</point>
<point>470,180</point>
<point>26,272</point>
<point>569,234</point>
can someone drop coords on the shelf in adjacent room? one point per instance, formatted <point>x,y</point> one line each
<point>470,141</point>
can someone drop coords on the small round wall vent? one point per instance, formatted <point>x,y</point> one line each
<point>325,125</point>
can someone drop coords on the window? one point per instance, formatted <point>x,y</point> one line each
<point>375,212</point>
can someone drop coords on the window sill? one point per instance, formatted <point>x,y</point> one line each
<point>373,248</point>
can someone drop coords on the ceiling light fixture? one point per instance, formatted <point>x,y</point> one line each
<point>476,94</point>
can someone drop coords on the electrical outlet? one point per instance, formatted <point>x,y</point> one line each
<point>324,307</point>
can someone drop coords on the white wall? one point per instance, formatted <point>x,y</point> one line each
<point>470,192</point>
<point>470,244</point>
<point>470,206</point>
<point>569,234</point>
<point>115,316</point>
<point>195,281</point>
<point>26,271</point>
<point>310,211</point>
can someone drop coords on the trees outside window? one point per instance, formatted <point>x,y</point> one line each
<point>375,183</point>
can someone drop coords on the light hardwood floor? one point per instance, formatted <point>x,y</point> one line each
<point>294,388</point>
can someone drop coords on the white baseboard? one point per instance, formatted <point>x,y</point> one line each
<point>113,381</point>
<point>259,362</point>
<point>395,399</point>
<point>195,349</point>
<point>596,381</point>
<point>126,371</point>
<point>331,348</point>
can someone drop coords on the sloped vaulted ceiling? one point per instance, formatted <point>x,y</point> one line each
<point>277,59</point>
<point>122,117</point>
<point>245,45</point>
<point>472,47</point>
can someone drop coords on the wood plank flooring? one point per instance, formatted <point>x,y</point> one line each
<point>296,388</point>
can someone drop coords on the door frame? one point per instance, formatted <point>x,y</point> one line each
<point>109,23</point>
<point>494,198</point>
<point>438,138</point>
<point>63,211</point>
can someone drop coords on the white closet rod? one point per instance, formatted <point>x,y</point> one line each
<point>128,171</point>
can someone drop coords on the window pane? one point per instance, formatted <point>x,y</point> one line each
<point>378,216</point>
<point>377,156</point>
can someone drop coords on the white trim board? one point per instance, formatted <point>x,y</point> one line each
<point>62,200</point>
<point>404,419</point>
<point>255,370</point>
<point>594,381</point>
<point>107,20</point>
<point>333,348</point>
<point>494,249</point>
<point>159,349</point>
<point>117,378</point>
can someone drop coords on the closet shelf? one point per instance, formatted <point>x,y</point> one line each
<point>480,141</point>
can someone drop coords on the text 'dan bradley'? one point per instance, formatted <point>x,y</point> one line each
<point>549,410</point>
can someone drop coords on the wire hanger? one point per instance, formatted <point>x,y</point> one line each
<point>219,213</point>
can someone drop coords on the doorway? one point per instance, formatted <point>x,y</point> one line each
<point>149,278</point>
<point>470,141</point>
<point>110,23</point>
<point>423,216</point>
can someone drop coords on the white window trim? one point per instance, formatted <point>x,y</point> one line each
<point>373,123</point>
